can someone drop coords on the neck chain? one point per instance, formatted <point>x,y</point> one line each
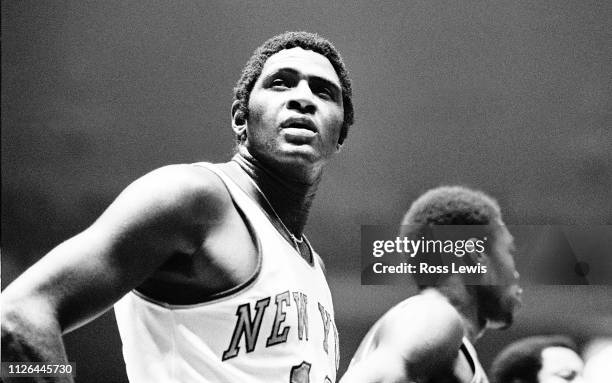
<point>296,242</point>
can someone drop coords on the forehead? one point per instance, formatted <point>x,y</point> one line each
<point>305,62</point>
<point>554,358</point>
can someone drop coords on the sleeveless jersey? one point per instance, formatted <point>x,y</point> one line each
<point>277,327</point>
<point>370,343</point>
<point>469,351</point>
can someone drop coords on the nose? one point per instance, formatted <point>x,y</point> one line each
<point>301,99</point>
<point>517,278</point>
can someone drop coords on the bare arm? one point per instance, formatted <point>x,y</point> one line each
<point>166,212</point>
<point>415,342</point>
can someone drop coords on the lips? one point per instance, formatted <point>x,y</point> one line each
<point>299,123</point>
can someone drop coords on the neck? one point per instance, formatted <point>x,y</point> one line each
<point>290,199</point>
<point>464,299</point>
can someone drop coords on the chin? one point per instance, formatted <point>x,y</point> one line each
<point>300,155</point>
<point>299,166</point>
<point>495,308</point>
<point>300,150</point>
<point>285,155</point>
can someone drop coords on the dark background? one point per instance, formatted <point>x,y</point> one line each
<point>510,97</point>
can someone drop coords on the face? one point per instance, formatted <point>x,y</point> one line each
<point>560,365</point>
<point>500,293</point>
<point>295,110</point>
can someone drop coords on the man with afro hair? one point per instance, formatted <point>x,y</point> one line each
<point>207,265</point>
<point>429,337</point>
<point>538,359</point>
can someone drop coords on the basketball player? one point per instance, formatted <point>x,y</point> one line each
<point>538,359</point>
<point>207,265</point>
<point>428,337</point>
<point>597,356</point>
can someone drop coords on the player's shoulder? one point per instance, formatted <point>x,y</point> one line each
<point>196,189</point>
<point>425,303</point>
<point>186,178</point>
<point>426,330</point>
<point>433,304</point>
<point>429,317</point>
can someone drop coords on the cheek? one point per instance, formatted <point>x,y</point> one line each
<point>334,120</point>
<point>256,111</point>
<point>500,270</point>
<point>339,117</point>
<point>334,132</point>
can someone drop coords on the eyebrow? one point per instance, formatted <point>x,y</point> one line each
<point>332,85</point>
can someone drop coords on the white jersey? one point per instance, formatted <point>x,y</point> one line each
<point>277,327</point>
<point>480,376</point>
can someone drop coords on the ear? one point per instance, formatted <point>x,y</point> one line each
<point>239,123</point>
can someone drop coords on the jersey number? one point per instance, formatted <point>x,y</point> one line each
<point>301,374</point>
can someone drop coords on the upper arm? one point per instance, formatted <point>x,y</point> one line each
<point>167,211</point>
<point>419,338</point>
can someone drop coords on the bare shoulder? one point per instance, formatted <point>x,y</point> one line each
<point>183,192</point>
<point>433,308</point>
<point>416,340</point>
<point>170,209</point>
<point>432,317</point>
<point>195,186</point>
<point>423,329</point>
<point>165,212</point>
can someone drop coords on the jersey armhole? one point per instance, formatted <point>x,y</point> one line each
<point>468,356</point>
<point>213,298</point>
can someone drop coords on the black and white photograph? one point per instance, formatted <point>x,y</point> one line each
<point>306,191</point>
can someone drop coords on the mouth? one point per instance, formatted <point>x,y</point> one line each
<point>299,123</point>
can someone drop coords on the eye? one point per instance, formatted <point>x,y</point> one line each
<point>325,93</point>
<point>279,83</point>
